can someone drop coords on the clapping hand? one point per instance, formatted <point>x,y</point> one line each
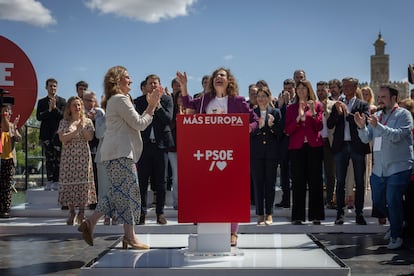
<point>372,120</point>
<point>341,108</point>
<point>301,111</point>
<point>16,121</point>
<point>311,105</point>
<point>154,97</point>
<point>360,119</point>
<point>166,91</point>
<point>261,122</point>
<point>52,103</point>
<point>270,120</point>
<point>80,125</point>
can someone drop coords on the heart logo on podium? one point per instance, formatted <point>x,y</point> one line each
<point>221,165</point>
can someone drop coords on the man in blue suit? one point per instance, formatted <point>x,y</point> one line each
<point>157,138</point>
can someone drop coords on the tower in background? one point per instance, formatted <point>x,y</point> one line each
<point>380,70</point>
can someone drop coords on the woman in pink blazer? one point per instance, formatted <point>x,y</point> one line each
<point>303,125</point>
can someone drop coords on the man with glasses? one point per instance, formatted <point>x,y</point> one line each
<point>92,111</point>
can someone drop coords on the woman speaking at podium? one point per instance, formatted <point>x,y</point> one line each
<point>222,98</point>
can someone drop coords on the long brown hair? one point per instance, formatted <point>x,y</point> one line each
<point>232,88</point>
<point>268,94</point>
<point>311,93</point>
<point>111,82</point>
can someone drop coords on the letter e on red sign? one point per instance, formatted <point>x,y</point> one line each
<point>18,77</point>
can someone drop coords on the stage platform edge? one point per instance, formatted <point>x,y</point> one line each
<point>263,254</point>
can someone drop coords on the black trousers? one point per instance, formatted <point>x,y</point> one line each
<point>285,170</point>
<point>152,165</point>
<point>52,156</point>
<point>409,209</point>
<point>6,176</point>
<point>329,170</point>
<point>264,178</point>
<point>307,176</point>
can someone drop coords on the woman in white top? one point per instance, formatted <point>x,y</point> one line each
<point>120,150</point>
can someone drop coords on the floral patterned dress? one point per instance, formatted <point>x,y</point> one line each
<point>76,183</point>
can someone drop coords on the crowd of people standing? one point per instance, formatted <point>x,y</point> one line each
<point>322,147</point>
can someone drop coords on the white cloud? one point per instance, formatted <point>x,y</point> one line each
<point>228,57</point>
<point>143,10</point>
<point>28,11</point>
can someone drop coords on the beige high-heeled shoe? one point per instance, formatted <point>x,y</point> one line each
<point>71,217</point>
<point>134,244</point>
<point>260,220</point>
<point>80,217</point>
<point>269,220</point>
<point>85,228</point>
<point>233,239</point>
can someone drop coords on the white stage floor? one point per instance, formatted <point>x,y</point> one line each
<point>261,254</point>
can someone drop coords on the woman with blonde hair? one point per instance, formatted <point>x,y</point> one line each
<point>369,97</point>
<point>76,183</point>
<point>120,150</point>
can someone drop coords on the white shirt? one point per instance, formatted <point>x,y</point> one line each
<point>217,105</point>
<point>347,132</point>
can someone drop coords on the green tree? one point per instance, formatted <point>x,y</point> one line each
<point>31,127</point>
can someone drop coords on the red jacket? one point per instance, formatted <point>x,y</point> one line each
<point>311,127</point>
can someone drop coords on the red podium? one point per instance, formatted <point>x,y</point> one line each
<point>213,156</point>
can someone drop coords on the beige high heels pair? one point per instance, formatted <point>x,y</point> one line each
<point>85,229</point>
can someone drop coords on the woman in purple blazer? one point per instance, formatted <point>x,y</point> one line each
<point>222,98</point>
<point>303,125</point>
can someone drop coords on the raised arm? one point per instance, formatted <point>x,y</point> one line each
<point>182,79</point>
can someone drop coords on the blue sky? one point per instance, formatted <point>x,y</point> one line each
<point>260,39</point>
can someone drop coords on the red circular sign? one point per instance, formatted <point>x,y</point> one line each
<point>18,77</point>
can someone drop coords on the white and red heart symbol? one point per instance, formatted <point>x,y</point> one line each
<point>221,165</point>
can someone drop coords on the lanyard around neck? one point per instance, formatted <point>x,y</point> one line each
<point>386,121</point>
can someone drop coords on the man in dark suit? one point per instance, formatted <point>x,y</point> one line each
<point>49,112</point>
<point>156,139</point>
<point>347,145</point>
<point>285,98</point>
